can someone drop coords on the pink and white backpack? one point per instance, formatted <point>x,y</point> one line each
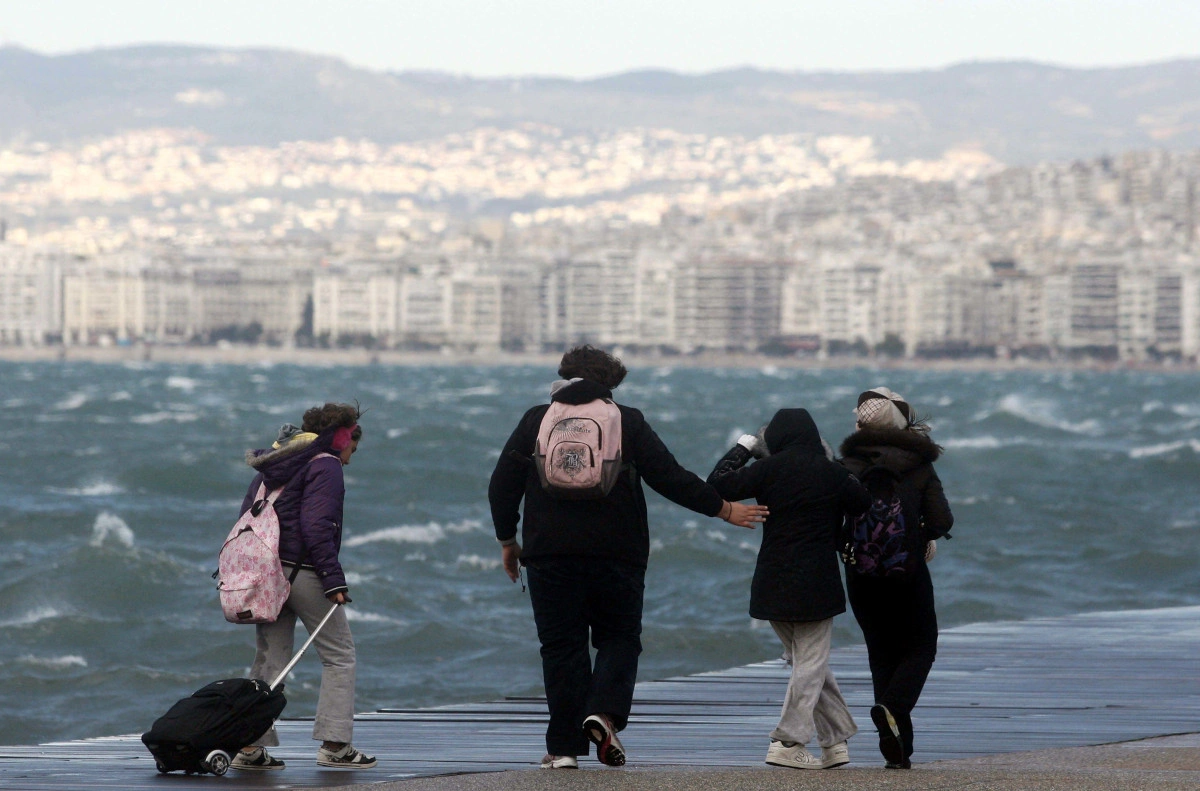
<point>578,451</point>
<point>252,584</point>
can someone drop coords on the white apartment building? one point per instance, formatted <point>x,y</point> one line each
<point>353,304</point>
<point>30,296</point>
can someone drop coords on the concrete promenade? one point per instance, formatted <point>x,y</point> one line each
<point>1092,701</point>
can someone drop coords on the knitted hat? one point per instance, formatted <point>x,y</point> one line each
<point>880,407</point>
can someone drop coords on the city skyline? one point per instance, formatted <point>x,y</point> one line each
<point>581,40</point>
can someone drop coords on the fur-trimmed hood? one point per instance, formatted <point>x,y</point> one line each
<point>897,449</point>
<point>279,465</point>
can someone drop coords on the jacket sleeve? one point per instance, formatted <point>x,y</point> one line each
<point>935,509</point>
<point>320,521</point>
<point>248,500</point>
<point>666,476</point>
<point>507,485</point>
<point>733,480</point>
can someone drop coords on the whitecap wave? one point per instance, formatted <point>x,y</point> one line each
<point>54,662</point>
<point>1042,413</point>
<point>393,433</point>
<point>36,615</point>
<point>986,442</point>
<point>121,395</point>
<point>478,562</point>
<point>360,616</point>
<point>1162,449</point>
<point>110,525</point>
<point>73,401</point>
<point>184,383</point>
<point>97,489</point>
<point>151,418</point>
<point>430,533</point>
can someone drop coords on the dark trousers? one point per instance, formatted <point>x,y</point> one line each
<point>900,628</point>
<point>571,597</point>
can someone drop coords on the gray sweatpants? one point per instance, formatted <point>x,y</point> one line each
<point>334,645</point>
<point>813,700</point>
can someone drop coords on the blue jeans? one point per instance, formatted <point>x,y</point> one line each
<point>572,596</point>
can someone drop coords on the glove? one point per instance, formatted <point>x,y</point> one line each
<point>930,550</point>
<point>755,444</point>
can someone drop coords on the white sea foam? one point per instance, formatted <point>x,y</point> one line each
<point>393,433</point>
<point>977,443</point>
<point>120,395</point>
<point>107,525</point>
<point>1042,413</point>
<point>96,489</point>
<point>184,383</point>
<point>13,403</point>
<point>151,418</point>
<point>36,615</point>
<point>717,535</point>
<point>359,616</point>
<point>73,401</point>
<point>1149,451</point>
<point>430,533</point>
<point>477,562</point>
<point>54,662</point>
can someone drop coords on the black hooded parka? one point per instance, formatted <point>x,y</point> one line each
<point>797,576</point>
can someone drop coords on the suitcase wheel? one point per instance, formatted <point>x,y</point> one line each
<point>216,762</point>
<point>160,766</point>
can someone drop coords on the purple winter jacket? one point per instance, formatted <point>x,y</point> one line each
<point>309,510</point>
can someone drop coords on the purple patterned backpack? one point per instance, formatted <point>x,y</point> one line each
<point>252,584</point>
<point>879,543</point>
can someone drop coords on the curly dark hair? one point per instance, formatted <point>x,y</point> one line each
<point>323,418</point>
<point>595,365</point>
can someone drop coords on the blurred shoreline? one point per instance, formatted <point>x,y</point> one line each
<point>235,354</point>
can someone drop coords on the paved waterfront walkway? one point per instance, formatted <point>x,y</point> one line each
<point>1009,705</point>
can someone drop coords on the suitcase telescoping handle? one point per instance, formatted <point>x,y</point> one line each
<point>304,647</point>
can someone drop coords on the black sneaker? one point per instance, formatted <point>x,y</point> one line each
<point>345,758</point>
<point>889,736</point>
<point>257,760</point>
<point>600,732</point>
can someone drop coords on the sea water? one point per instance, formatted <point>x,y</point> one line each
<point>1072,492</point>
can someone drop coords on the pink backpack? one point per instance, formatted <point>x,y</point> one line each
<point>252,584</point>
<point>578,452</point>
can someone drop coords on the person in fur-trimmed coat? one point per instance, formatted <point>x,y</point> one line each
<point>896,613</point>
<point>307,461</point>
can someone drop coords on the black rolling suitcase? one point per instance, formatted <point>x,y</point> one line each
<point>201,733</point>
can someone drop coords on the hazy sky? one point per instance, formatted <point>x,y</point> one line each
<point>582,38</point>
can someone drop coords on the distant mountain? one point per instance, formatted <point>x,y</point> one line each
<point>1017,112</point>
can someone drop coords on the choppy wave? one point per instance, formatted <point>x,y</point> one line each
<point>431,533</point>
<point>53,662</point>
<point>109,528</point>
<point>1164,448</point>
<point>127,483</point>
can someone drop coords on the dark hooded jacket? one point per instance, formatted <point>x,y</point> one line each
<point>309,509</point>
<point>797,576</point>
<point>910,454</point>
<point>615,526</point>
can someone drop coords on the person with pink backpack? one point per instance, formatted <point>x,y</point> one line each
<point>306,464</point>
<point>578,464</point>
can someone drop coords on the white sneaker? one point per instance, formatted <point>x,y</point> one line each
<point>792,755</point>
<point>345,758</point>
<point>560,762</point>
<point>835,755</point>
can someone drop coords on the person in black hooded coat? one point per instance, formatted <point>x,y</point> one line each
<point>587,559</point>
<point>797,585</point>
<point>896,613</point>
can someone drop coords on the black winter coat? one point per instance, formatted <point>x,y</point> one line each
<point>797,576</point>
<point>910,454</point>
<point>615,526</point>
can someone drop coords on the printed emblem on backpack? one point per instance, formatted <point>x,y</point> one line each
<point>878,544</point>
<point>578,452</point>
